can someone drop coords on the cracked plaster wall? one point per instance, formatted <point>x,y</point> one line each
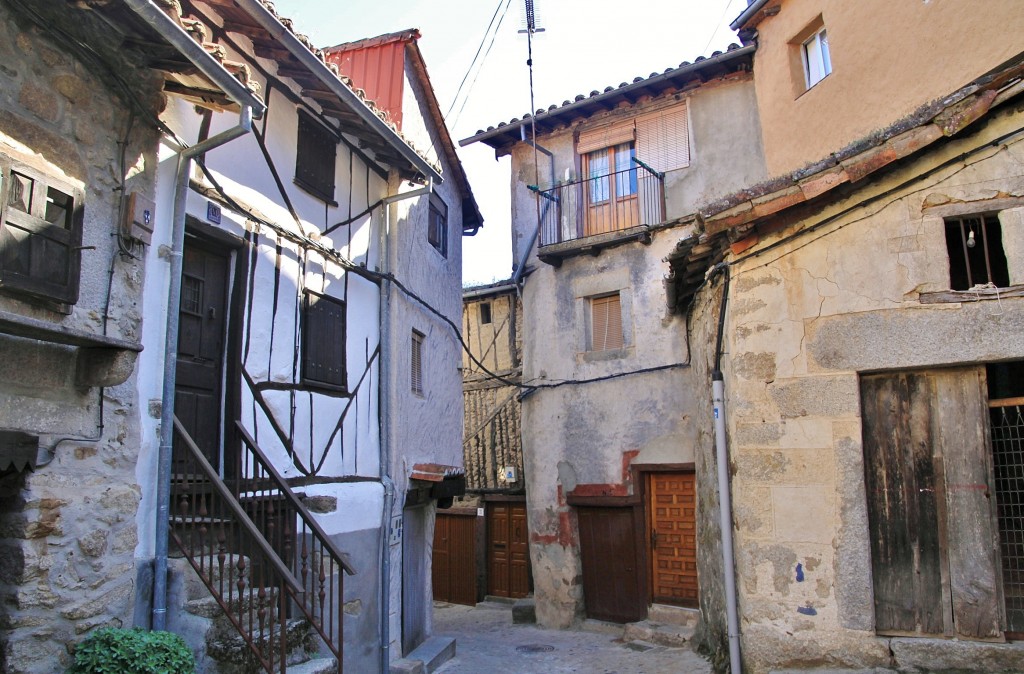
<point>804,320</point>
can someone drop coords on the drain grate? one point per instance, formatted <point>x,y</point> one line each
<point>534,648</point>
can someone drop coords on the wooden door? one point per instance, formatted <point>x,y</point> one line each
<point>202,318</point>
<point>508,550</point>
<point>928,479</point>
<point>415,605</point>
<point>672,537</point>
<point>453,570</point>
<point>612,589</point>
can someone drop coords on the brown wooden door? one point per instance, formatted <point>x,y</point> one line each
<point>672,537</point>
<point>928,478</point>
<point>508,550</point>
<point>453,571</point>
<point>202,322</point>
<point>612,588</point>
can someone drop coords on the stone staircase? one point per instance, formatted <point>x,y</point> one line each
<point>670,626</point>
<point>219,648</point>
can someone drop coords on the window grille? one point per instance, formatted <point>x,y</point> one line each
<point>976,255</point>
<point>606,323</point>
<point>417,363</point>
<point>1007,428</point>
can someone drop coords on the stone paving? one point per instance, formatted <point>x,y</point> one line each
<point>487,642</point>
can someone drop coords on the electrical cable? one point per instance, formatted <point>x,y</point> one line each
<point>475,56</point>
<point>480,69</point>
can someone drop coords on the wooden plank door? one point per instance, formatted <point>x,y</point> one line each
<point>929,483</point>
<point>508,550</point>
<point>612,588</point>
<point>672,537</point>
<point>453,571</point>
<point>202,322</point>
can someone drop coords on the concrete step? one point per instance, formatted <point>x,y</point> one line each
<point>233,656</point>
<point>657,633</point>
<point>431,654</point>
<point>315,666</point>
<point>673,615</point>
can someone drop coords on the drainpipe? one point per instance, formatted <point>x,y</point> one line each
<point>724,495</point>
<point>163,493</point>
<point>384,395</point>
<point>517,274</point>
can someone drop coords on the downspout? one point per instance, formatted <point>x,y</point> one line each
<point>163,493</point>
<point>724,494</point>
<point>517,274</point>
<point>385,421</point>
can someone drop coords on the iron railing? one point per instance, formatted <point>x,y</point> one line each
<point>258,550</point>
<point>603,204</point>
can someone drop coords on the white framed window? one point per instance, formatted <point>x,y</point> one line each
<point>816,57</point>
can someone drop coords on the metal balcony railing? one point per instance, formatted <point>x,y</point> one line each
<point>602,204</point>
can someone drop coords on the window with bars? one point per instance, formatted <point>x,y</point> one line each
<point>437,225</point>
<point>40,234</point>
<point>605,323</point>
<point>416,373</point>
<point>976,256</point>
<point>316,152</point>
<point>323,341</point>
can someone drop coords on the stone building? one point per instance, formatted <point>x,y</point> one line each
<point>609,421</point>
<point>871,368</point>
<point>198,175</point>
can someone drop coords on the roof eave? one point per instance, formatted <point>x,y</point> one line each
<point>750,12</point>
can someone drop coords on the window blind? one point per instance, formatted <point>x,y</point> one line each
<point>605,136</point>
<point>663,139</point>
<point>606,323</point>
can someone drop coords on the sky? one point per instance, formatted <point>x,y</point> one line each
<point>585,45</point>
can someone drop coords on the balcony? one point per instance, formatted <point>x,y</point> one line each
<point>600,210</point>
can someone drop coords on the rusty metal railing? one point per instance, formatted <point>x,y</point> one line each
<point>602,204</point>
<point>308,551</point>
<point>243,573</point>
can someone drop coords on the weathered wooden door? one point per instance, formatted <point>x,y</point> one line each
<point>672,537</point>
<point>508,551</point>
<point>612,587</point>
<point>453,570</point>
<point>202,317</point>
<point>928,478</point>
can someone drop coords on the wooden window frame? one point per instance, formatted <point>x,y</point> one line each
<point>316,156</point>
<point>416,364</point>
<point>314,344</point>
<point>34,222</point>
<point>437,225</point>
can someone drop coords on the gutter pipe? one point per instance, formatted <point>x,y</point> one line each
<point>753,8</point>
<point>312,62</point>
<point>243,127</point>
<point>520,269</point>
<point>251,106</point>
<point>724,494</point>
<point>384,394</point>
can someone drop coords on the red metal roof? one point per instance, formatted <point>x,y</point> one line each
<point>377,66</point>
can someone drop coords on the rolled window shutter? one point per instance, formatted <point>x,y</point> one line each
<point>663,139</point>
<point>606,323</point>
<point>605,136</point>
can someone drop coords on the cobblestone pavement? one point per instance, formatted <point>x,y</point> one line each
<point>487,642</point>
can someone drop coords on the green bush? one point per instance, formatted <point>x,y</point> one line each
<point>132,651</point>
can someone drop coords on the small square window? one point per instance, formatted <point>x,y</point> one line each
<point>976,255</point>
<point>606,323</point>
<point>485,313</point>
<point>40,234</point>
<point>416,371</point>
<point>323,341</point>
<point>316,152</point>
<point>437,225</point>
<point>816,57</point>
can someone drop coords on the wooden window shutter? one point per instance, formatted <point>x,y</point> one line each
<point>323,341</point>
<point>416,374</point>
<point>663,138</point>
<point>316,152</point>
<point>605,136</point>
<point>606,323</point>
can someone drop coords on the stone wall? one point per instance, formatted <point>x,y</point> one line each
<point>67,529</point>
<point>805,319</point>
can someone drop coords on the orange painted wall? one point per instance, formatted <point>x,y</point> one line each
<point>888,58</point>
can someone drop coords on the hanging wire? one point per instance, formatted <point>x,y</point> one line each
<point>476,56</point>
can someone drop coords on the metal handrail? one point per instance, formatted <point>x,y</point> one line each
<point>236,508</point>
